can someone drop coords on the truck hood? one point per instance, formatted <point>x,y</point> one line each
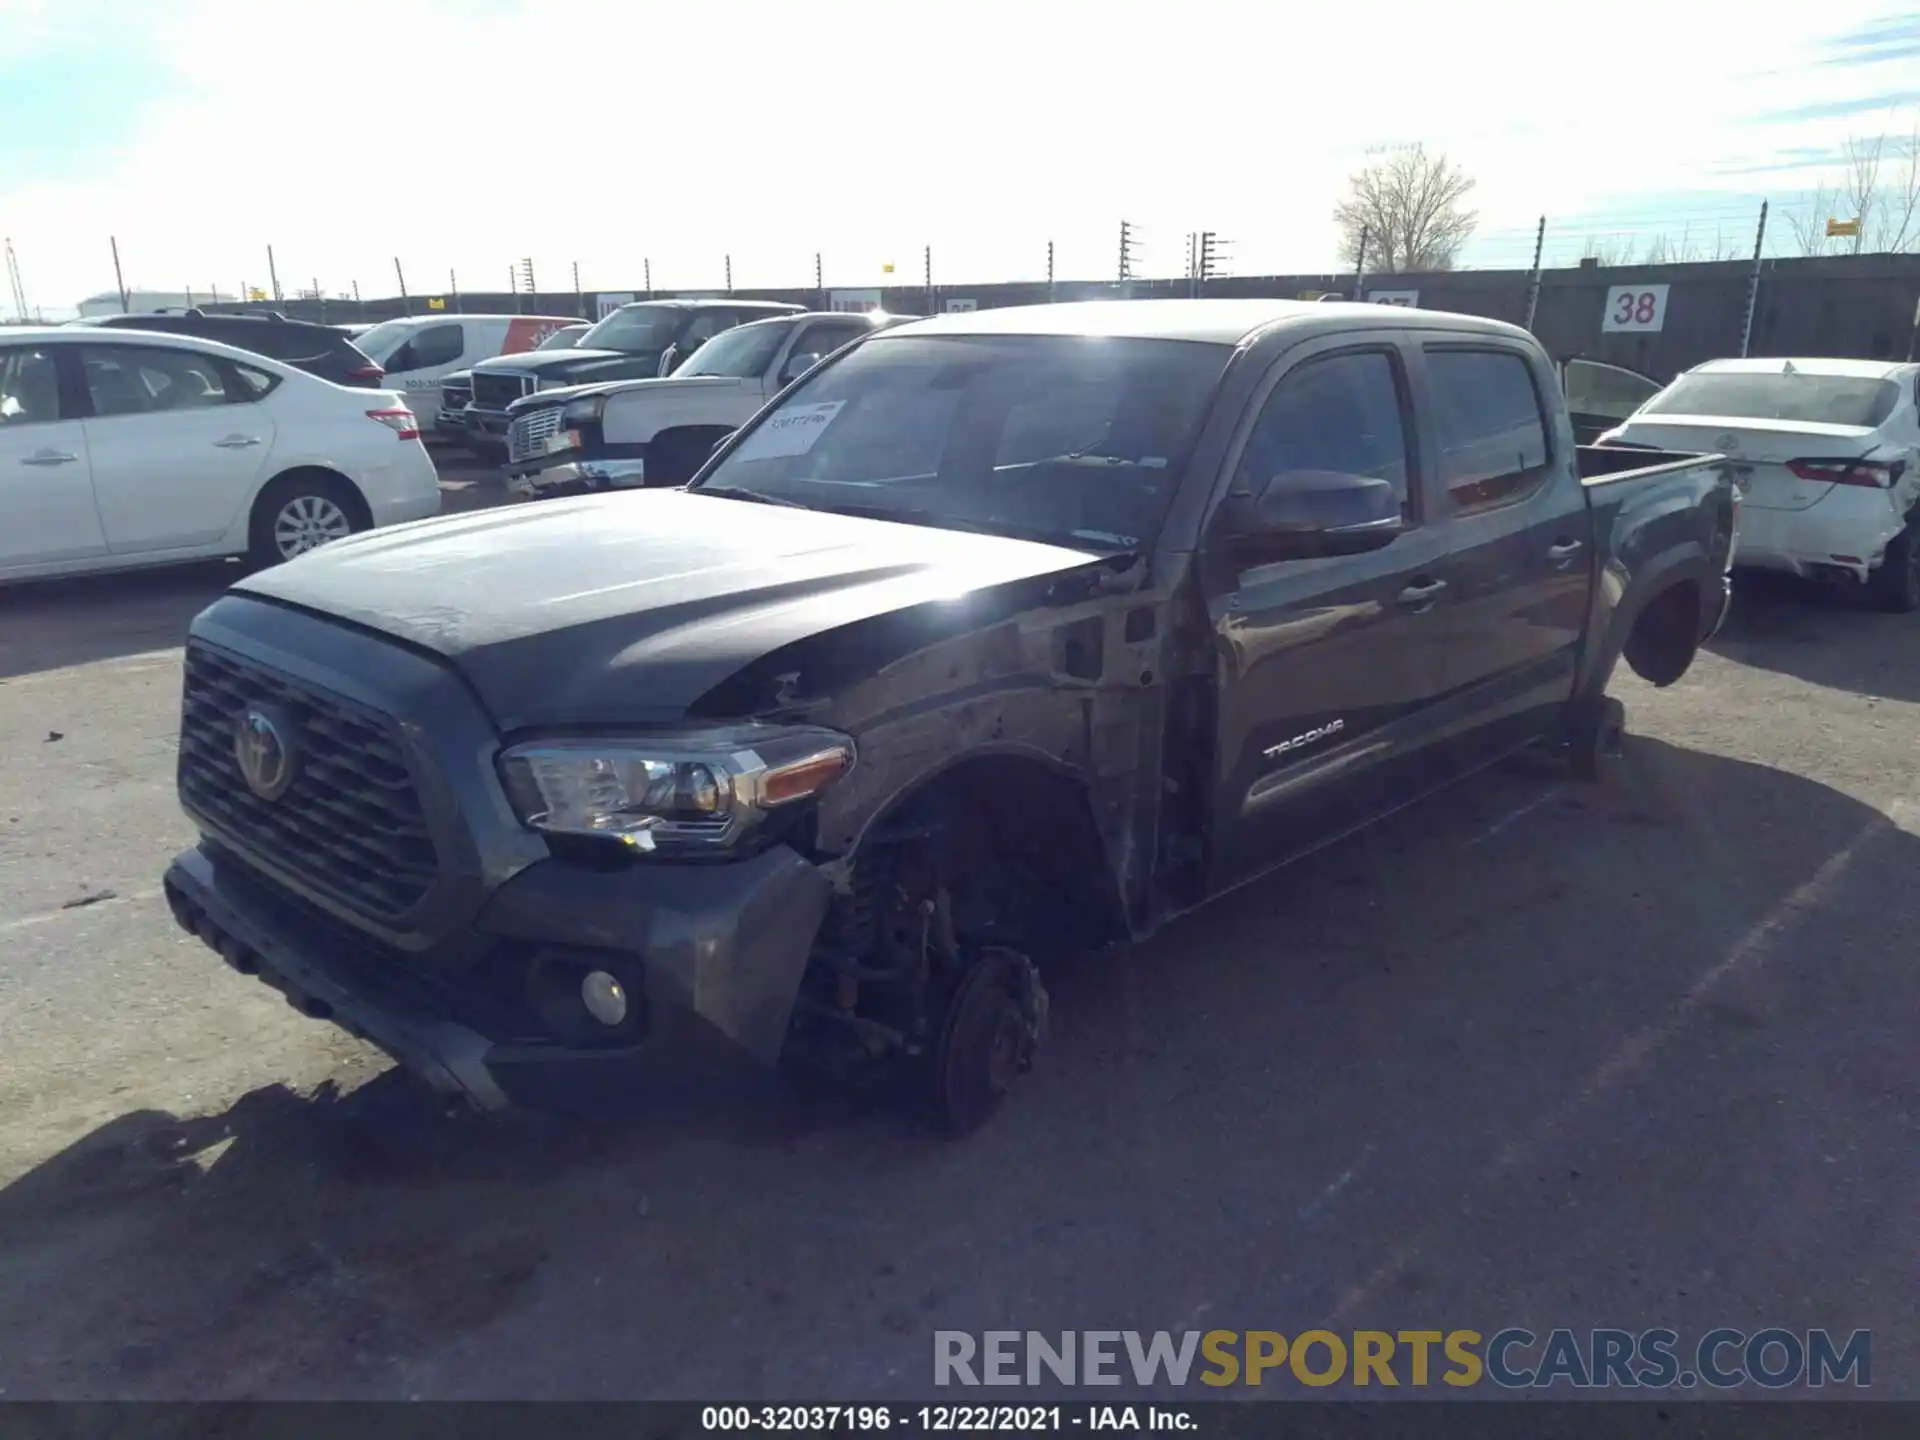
<point>562,363</point>
<point>665,384</point>
<point>628,608</point>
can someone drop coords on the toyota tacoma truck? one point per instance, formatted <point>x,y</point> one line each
<point>998,636</point>
<point>624,434</point>
<point>641,340</point>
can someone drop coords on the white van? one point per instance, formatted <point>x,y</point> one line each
<point>419,351</point>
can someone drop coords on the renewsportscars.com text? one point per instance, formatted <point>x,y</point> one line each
<point>1512,1358</point>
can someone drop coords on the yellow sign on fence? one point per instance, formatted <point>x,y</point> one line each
<point>1843,227</point>
<point>435,302</point>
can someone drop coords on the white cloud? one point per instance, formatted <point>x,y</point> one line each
<point>451,134</point>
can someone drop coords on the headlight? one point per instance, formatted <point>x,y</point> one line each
<point>584,412</point>
<point>692,792</point>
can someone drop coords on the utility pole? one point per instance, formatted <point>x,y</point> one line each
<point>928,274</point>
<point>1360,266</point>
<point>273,279</point>
<point>819,282</point>
<point>119,280</point>
<point>400,275</point>
<point>1753,283</point>
<point>529,289</point>
<point>579,299</point>
<point>356,292</point>
<point>1049,272</point>
<point>513,289</point>
<point>647,268</point>
<point>1533,281</point>
<point>453,289</point>
<point>729,274</point>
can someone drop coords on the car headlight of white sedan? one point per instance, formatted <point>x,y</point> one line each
<point>688,792</point>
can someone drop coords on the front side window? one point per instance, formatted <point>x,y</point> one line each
<point>948,431</point>
<point>29,386</point>
<point>1341,414</point>
<point>1493,437</point>
<point>1858,400</point>
<point>135,380</point>
<point>435,345</point>
<point>741,353</point>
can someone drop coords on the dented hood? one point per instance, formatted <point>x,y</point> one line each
<point>630,607</point>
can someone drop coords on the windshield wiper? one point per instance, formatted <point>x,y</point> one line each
<point>735,492</point>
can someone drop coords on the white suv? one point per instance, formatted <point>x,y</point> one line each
<point>121,449</point>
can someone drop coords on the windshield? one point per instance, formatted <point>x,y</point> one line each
<point>741,353</point>
<point>383,339</point>
<point>563,339</point>
<point>637,328</point>
<point>1815,399</point>
<point>1076,441</point>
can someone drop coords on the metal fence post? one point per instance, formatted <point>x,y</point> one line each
<point>1533,280</point>
<point>1753,283</point>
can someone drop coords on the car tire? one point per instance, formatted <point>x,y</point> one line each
<point>1895,586</point>
<point>300,512</point>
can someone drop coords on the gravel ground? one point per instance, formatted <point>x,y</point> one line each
<point>1533,1053</point>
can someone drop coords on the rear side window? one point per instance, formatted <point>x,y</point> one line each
<point>254,384</point>
<point>29,386</point>
<point>1493,436</point>
<point>143,380</point>
<point>1340,414</point>
<point>1816,399</point>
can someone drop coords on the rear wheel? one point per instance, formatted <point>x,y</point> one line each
<point>1895,586</point>
<point>302,512</point>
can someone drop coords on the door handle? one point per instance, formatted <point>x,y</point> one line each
<point>237,442</point>
<point>1422,593</point>
<point>49,457</point>
<point>1565,549</point>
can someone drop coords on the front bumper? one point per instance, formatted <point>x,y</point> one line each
<point>721,949</point>
<point>451,423</point>
<point>558,471</point>
<point>487,427</point>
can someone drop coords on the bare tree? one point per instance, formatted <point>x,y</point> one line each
<point>1860,188</point>
<point>1411,209</point>
<point>1807,222</point>
<point>1607,253</point>
<point>1878,189</point>
<point>1897,218</point>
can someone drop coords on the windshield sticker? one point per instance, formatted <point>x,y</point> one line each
<point>794,431</point>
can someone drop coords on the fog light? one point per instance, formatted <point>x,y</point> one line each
<point>605,997</point>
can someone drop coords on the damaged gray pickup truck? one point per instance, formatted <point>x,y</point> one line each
<point>995,634</point>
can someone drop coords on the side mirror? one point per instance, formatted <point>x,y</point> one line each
<point>796,366</point>
<point>1303,514</point>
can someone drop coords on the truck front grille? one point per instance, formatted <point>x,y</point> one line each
<point>496,392</point>
<point>350,823</point>
<point>528,435</point>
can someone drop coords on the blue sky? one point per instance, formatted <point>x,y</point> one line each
<point>347,133</point>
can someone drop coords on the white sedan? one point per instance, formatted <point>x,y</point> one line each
<point>1827,453</point>
<point>122,449</point>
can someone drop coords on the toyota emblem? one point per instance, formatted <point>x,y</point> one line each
<point>1725,444</point>
<point>266,760</point>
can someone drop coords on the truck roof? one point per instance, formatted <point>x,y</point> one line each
<point>1220,322</point>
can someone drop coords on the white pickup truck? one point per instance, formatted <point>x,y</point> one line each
<point>630,433</point>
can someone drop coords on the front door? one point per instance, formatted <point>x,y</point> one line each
<point>1325,668</point>
<point>47,514</point>
<point>426,357</point>
<point>177,441</point>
